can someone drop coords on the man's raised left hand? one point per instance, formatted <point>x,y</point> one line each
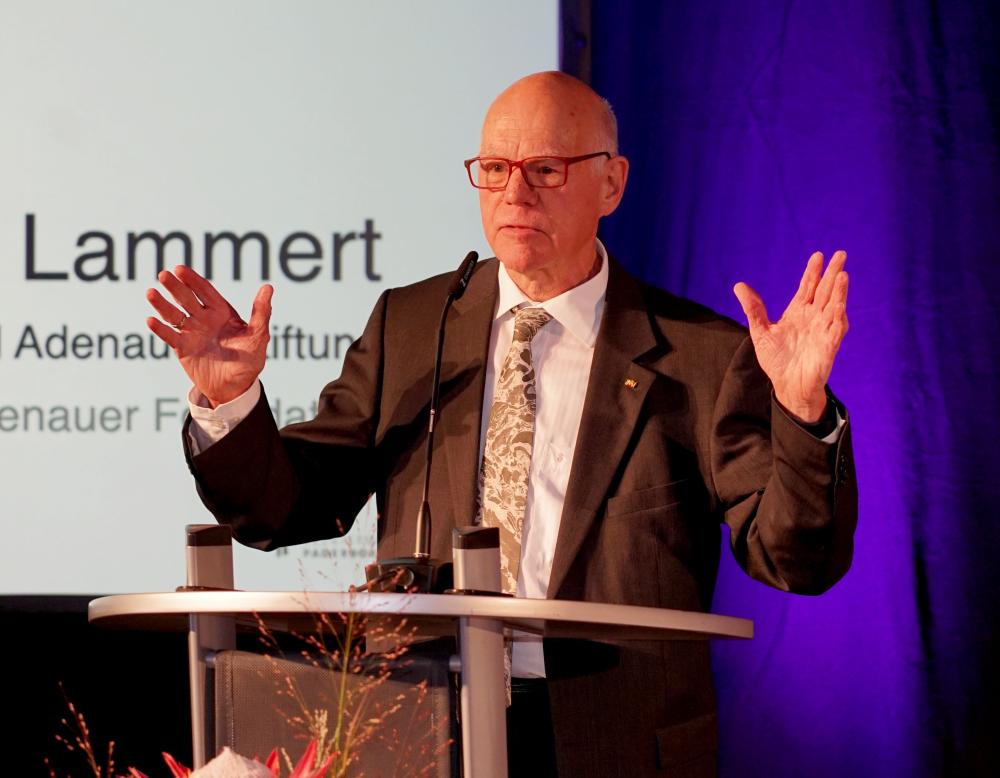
<point>797,351</point>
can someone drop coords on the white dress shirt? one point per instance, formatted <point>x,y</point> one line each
<point>561,354</point>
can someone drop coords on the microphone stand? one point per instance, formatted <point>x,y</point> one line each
<point>419,572</point>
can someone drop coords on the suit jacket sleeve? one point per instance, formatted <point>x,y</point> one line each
<point>309,480</point>
<point>790,499</point>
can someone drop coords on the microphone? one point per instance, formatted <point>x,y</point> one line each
<point>460,281</point>
<point>420,571</point>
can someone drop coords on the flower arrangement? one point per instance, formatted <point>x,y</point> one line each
<point>361,714</point>
<point>229,764</point>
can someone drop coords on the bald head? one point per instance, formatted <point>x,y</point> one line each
<point>545,235</point>
<point>580,115</point>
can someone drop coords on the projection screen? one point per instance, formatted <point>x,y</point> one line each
<point>314,145</point>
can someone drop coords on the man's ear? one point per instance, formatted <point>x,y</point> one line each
<point>613,184</point>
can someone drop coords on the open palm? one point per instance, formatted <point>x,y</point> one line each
<point>221,353</point>
<point>797,351</point>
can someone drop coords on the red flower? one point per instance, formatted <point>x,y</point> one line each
<point>306,767</point>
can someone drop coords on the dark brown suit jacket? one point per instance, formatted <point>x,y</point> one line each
<point>695,440</point>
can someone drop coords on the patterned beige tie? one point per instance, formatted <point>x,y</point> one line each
<point>503,484</point>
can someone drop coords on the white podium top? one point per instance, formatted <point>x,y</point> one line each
<point>433,613</point>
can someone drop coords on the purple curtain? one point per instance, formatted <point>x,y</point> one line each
<point>759,132</point>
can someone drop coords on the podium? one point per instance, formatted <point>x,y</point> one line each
<point>479,622</point>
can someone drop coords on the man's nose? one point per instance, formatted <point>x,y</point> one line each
<point>517,190</point>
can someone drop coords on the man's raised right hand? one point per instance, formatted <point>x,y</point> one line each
<point>221,353</point>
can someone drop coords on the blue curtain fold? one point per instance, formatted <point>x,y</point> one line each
<point>759,132</point>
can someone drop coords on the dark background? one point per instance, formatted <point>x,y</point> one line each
<point>759,132</point>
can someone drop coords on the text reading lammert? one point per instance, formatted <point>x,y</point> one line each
<point>609,435</point>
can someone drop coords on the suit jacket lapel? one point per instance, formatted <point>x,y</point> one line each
<point>615,394</point>
<point>467,341</point>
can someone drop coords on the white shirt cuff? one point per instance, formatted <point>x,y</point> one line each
<point>834,436</point>
<point>210,425</point>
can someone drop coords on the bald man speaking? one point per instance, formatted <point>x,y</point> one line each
<point>608,428</point>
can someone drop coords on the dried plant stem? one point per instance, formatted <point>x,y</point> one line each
<point>78,739</point>
<point>345,670</point>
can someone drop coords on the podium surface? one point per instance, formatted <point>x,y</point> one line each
<point>551,618</point>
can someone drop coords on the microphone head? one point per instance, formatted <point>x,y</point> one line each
<point>460,281</point>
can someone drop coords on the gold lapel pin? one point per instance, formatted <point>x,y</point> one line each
<point>631,383</point>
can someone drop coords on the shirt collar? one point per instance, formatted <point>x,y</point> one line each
<point>578,309</point>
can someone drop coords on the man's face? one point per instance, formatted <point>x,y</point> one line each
<point>546,233</point>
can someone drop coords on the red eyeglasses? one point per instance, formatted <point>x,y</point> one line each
<point>493,173</point>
